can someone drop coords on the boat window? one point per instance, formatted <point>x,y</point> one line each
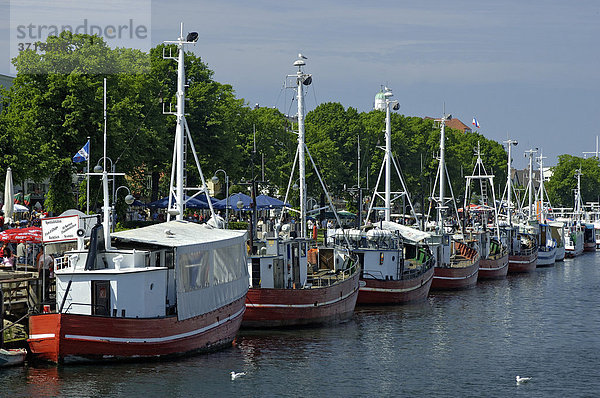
<point>169,262</point>
<point>303,249</point>
<point>229,264</point>
<point>157,259</point>
<point>195,270</point>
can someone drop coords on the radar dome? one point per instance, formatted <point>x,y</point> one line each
<point>379,101</point>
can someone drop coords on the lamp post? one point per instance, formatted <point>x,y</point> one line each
<point>215,180</point>
<point>129,199</point>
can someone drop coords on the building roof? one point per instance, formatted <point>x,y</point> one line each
<point>453,123</point>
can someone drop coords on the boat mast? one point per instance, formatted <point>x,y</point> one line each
<point>301,79</point>
<point>578,201</point>
<point>388,154</point>
<point>442,171</point>
<point>530,153</point>
<point>541,189</point>
<point>179,140</point>
<point>177,188</point>
<point>509,143</point>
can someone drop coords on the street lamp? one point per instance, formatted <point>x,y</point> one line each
<point>129,199</point>
<point>215,180</point>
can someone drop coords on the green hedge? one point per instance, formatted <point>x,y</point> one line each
<point>238,225</point>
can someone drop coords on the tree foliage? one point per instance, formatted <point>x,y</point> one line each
<point>56,102</point>
<point>563,181</point>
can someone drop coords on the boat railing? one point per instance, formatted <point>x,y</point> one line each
<point>417,267</point>
<point>61,262</point>
<point>527,251</point>
<point>329,277</point>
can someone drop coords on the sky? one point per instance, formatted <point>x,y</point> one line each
<point>528,70</point>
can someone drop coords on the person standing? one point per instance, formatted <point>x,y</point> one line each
<point>21,252</point>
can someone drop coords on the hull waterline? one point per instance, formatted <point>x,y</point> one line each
<point>61,338</point>
<point>279,308</point>
<point>395,292</point>
<point>493,268</point>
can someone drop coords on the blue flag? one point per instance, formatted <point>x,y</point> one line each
<point>82,154</point>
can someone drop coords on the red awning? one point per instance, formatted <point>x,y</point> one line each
<point>18,235</point>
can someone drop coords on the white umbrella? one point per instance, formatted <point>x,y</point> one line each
<point>20,208</point>
<point>9,194</point>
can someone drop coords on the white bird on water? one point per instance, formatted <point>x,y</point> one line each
<point>236,375</point>
<point>521,380</point>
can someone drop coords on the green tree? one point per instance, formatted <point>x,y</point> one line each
<point>563,181</point>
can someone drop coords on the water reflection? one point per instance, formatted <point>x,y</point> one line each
<point>544,324</point>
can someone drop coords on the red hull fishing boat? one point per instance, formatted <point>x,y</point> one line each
<point>67,337</point>
<point>167,289</point>
<point>524,254</point>
<point>286,289</point>
<point>493,263</point>
<point>460,273</point>
<point>374,291</point>
<point>327,297</point>
<point>396,263</point>
<point>457,264</point>
<point>395,268</point>
<point>494,266</point>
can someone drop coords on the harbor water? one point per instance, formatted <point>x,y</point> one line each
<point>544,325</point>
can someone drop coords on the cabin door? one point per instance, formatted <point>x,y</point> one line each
<point>296,263</point>
<point>255,272</point>
<point>278,274</point>
<point>101,298</point>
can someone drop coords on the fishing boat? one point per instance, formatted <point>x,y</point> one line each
<point>574,240</point>
<point>12,357</point>
<point>523,251</point>
<point>168,289</point>
<point>483,223</point>
<point>557,231</point>
<point>457,263</point>
<point>286,289</point>
<point>396,262</point>
<point>494,260</point>
<point>547,247</point>
<point>589,238</point>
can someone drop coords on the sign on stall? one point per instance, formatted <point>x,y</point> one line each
<point>60,229</point>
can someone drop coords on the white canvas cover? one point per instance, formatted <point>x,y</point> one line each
<point>209,279</point>
<point>409,233</point>
<point>210,266</point>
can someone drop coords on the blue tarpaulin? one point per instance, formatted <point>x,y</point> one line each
<point>267,202</point>
<point>263,202</point>
<point>232,202</point>
<point>198,202</point>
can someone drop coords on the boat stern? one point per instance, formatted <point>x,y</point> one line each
<point>44,336</point>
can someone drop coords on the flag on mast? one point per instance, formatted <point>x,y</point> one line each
<point>82,154</point>
<point>475,122</point>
